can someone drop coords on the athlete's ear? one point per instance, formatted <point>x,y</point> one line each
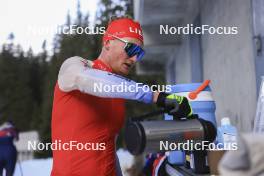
<point>107,44</point>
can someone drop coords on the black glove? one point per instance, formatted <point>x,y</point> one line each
<point>175,105</point>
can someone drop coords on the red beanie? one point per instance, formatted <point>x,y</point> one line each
<point>124,27</point>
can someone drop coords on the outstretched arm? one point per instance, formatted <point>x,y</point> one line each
<point>76,73</point>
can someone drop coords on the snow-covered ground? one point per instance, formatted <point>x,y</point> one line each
<point>42,167</point>
<point>35,167</point>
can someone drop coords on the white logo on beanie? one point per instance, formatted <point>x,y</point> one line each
<point>135,30</point>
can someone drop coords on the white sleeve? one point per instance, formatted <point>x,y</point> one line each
<point>76,74</point>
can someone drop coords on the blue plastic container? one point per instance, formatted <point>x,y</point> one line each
<point>204,108</point>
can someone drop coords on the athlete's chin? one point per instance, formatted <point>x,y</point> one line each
<point>124,71</point>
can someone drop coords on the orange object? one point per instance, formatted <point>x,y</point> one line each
<point>193,95</point>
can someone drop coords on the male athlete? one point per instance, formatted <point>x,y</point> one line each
<point>82,114</point>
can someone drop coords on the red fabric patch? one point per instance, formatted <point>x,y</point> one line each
<point>100,65</point>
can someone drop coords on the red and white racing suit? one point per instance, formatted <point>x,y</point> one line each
<point>93,118</point>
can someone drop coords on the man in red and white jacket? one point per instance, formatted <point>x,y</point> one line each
<point>92,117</point>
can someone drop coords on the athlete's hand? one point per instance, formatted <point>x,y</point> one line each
<point>175,105</point>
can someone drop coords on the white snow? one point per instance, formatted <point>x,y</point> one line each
<point>35,167</point>
<point>42,167</point>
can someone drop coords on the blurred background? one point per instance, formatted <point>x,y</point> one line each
<point>31,54</point>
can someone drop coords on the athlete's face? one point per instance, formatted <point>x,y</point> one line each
<point>120,62</point>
